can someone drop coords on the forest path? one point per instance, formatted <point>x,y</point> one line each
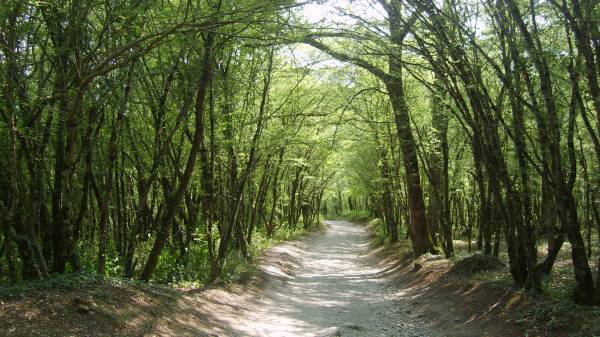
<point>327,284</point>
<point>324,286</point>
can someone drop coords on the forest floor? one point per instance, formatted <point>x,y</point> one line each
<point>335,283</point>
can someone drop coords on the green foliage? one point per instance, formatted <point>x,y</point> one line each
<point>64,282</point>
<point>381,235</point>
<point>101,106</point>
<point>360,216</point>
<point>237,269</point>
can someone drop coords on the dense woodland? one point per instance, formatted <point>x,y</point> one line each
<point>162,140</point>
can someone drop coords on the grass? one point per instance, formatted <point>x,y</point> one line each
<point>237,269</point>
<point>61,282</point>
<point>69,282</point>
<point>552,310</point>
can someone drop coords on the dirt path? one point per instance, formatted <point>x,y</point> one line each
<point>323,286</point>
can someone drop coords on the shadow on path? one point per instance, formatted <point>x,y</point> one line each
<point>322,286</point>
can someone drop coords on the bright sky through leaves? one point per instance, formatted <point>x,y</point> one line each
<point>331,11</point>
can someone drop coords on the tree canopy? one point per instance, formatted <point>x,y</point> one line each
<point>163,140</point>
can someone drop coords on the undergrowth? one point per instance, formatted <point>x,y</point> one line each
<point>69,282</point>
<point>169,275</point>
<point>552,310</point>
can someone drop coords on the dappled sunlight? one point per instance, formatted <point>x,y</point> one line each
<point>323,286</point>
<point>274,271</point>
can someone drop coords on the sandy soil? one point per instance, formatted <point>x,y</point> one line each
<point>324,286</point>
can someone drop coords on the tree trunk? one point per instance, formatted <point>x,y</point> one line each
<point>174,200</point>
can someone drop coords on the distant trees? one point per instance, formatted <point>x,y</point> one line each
<point>158,141</point>
<point>515,84</point>
<point>393,81</point>
<point>139,137</point>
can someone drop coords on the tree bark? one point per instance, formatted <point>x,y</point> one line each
<point>174,200</point>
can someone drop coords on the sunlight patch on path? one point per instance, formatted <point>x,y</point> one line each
<point>323,287</point>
